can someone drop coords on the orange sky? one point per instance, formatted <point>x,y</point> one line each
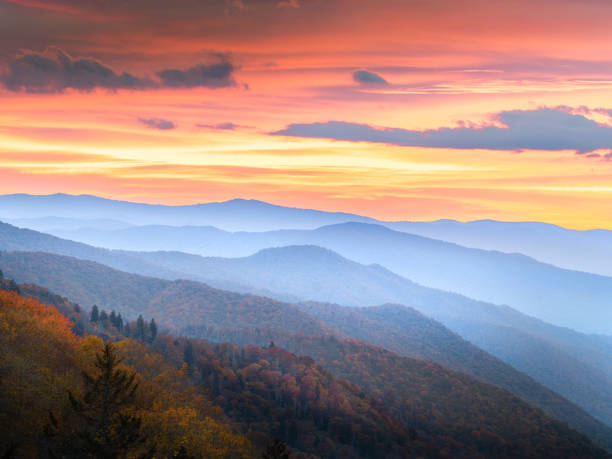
<point>84,98</point>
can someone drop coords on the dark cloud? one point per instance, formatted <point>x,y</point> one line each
<point>158,123</point>
<point>365,77</point>
<point>229,126</point>
<point>55,71</point>
<point>218,74</point>
<point>540,129</point>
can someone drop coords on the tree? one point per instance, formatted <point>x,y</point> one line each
<point>113,318</point>
<point>108,431</point>
<point>140,328</point>
<point>188,357</point>
<point>276,450</point>
<point>95,314</point>
<point>153,329</point>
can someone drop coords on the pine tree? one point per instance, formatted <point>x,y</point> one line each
<point>188,356</point>
<point>276,450</point>
<point>113,318</point>
<point>119,322</point>
<point>95,315</point>
<point>140,328</point>
<point>153,329</point>
<point>103,317</point>
<point>108,432</point>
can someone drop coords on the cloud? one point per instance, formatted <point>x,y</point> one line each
<point>214,75</point>
<point>229,126</point>
<point>158,123</point>
<point>365,77</point>
<point>54,70</point>
<point>541,129</point>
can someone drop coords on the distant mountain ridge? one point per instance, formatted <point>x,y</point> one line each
<point>553,294</point>
<point>589,250</point>
<point>229,215</point>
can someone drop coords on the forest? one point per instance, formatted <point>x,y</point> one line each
<point>186,397</point>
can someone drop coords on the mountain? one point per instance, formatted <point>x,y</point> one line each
<point>581,369</point>
<point>587,250</point>
<point>236,214</point>
<point>198,310</point>
<point>196,399</point>
<point>581,372</point>
<point>50,224</point>
<point>555,295</point>
<point>84,217</point>
<point>177,304</point>
<point>441,412</point>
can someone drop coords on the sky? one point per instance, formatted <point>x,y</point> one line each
<point>395,109</point>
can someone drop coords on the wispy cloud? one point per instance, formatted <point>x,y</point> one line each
<point>158,123</point>
<point>551,129</point>
<point>228,126</point>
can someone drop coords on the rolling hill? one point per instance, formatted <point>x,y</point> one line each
<point>541,290</point>
<point>442,412</point>
<point>67,215</point>
<point>195,309</point>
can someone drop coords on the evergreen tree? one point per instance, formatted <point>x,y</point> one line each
<point>103,316</point>
<point>140,328</point>
<point>113,318</point>
<point>1,274</point>
<point>107,430</point>
<point>153,329</point>
<point>276,450</point>
<point>188,356</point>
<point>119,322</point>
<point>95,315</point>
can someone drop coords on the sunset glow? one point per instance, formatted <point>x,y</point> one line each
<point>193,103</point>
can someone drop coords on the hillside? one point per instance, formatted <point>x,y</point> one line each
<point>585,385</point>
<point>35,384</point>
<point>586,250</point>
<point>180,399</point>
<point>420,393</point>
<point>243,381</point>
<point>198,310</point>
<point>175,303</point>
<point>558,296</point>
<point>580,371</point>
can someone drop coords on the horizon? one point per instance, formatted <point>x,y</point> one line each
<point>376,220</point>
<point>486,111</point>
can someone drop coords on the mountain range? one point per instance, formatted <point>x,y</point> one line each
<point>194,309</point>
<point>586,250</point>
<point>541,290</point>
